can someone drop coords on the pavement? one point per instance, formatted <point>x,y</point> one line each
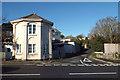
<point>74,61</point>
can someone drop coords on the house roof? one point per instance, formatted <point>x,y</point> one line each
<point>56,30</point>
<point>33,16</point>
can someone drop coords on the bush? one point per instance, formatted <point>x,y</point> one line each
<point>94,54</point>
<point>97,44</point>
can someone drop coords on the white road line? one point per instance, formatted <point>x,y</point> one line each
<point>88,65</point>
<point>81,62</point>
<point>64,64</point>
<point>19,74</point>
<point>56,64</point>
<point>94,64</point>
<point>108,65</point>
<point>72,65</point>
<point>115,64</point>
<point>39,64</point>
<point>48,65</point>
<point>80,65</point>
<point>107,73</point>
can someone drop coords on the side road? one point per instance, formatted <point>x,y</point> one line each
<point>106,61</point>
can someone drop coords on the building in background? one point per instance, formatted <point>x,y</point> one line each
<point>32,38</point>
<point>56,34</point>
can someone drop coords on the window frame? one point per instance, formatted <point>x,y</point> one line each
<point>33,49</point>
<point>18,48</point>
<point>33,29</point>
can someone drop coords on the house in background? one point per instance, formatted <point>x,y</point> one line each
<point>32,38</point>
<point>56,34</point>
<point>7,43</point>
<point>65,40</point>
<point>66,48</point>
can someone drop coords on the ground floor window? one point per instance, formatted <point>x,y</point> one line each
<point>18,48</point>
<point>31,48</point>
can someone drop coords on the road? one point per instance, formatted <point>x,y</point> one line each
<point>70,68</point>
<point>61,71</point>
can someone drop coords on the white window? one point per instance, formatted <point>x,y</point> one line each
<point>31,48</point>
<point>18,48</point>
<point>34,48</point>
<point>32,29</point>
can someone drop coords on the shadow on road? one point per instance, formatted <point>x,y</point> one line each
<point>83,52</point>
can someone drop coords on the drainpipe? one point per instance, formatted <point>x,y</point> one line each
<point>26,41</point>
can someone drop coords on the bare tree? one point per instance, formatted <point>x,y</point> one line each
<point>108,28</point>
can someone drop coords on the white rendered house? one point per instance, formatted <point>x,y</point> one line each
<point>32,38</point>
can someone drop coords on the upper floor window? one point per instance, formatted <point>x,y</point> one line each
<point>32,28</point>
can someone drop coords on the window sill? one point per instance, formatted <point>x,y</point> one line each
<point>32,34</point>
<point>32,53</point>
<point>19,53</point>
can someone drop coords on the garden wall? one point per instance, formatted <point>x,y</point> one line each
<point>111,48</point>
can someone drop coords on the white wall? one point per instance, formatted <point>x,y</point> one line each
<point>111,48</point>
<point>32,39</point>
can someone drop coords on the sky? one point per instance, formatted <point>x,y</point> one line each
<point>71,18</point>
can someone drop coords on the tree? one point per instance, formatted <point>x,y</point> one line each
<point>107,28</point>
<point>97,44</point>
<point>62,36</point>
<point>79,36</point>
<point>4,19</point>
<point>7,35</point>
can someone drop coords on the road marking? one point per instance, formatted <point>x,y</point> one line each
<point>64,64</point>
<point>87,60</point>
<point>81,61</point>
<point>39,64</point>
<point>18,64</point>
<point>56,64</point>
<point>88,65</point>
<point>115,64</point>
<point>48,65</point>
<point>80,65</point>
<point>19,74</point>
<point>72,65</point>
<point>107,73</point>
<point>77,65</point>
<point>94,64</point>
